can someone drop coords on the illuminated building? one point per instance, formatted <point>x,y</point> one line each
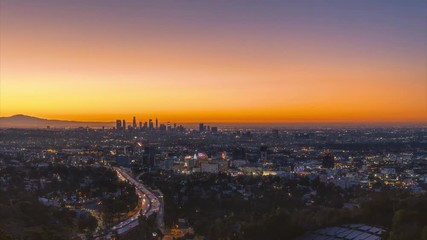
<point>150,124</point>
<point>118,124</point>
<point>148,157</point>
<point>328,161</point>
<point>263,156</point>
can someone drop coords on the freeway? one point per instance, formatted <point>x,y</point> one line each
<point>149,204</point>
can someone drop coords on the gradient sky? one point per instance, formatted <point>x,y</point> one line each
<point>229,61</point>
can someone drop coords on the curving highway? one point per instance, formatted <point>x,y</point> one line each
<point>149,204</point>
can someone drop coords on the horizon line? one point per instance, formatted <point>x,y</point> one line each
<point>387,122</point>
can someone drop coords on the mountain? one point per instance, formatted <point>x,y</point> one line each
<point>24,121</point>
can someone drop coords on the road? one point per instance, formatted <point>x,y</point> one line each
<point>149,204</point>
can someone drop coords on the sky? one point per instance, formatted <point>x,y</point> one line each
<point>215,61</point>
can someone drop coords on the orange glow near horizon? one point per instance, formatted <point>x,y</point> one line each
<point>74,71</point>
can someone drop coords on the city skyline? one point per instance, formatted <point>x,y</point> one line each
<point>146,123</point>
<point>247,62</point>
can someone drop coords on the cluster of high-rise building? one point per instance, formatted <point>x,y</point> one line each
<point>155,125</point>
<point>203,128</point>
<point>147,125</point>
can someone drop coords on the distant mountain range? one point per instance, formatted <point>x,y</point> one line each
<point>24,121</point>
